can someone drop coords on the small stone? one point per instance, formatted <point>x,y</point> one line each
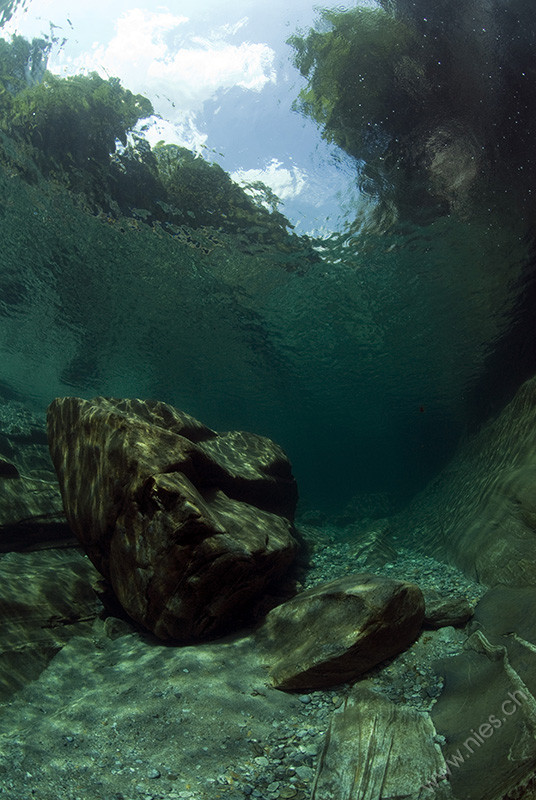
<point>305,698</point>
<point>305,773</point>
<point>153,773</point>
<point>334,632</point>
<point>337,701</point>
<point>261,761</point>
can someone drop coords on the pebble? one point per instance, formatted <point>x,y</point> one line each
<point>305,773</point>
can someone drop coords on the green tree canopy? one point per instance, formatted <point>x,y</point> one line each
<point>76,121</point>
<point>8,8</point>
<point>22,64</point>
<point>80,131</point>
<point>436,102</point>
<point>208,196</point>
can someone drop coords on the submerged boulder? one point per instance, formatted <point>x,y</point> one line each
<point>334,632</point>
<point>190,527</point>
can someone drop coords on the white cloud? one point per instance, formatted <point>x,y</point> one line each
<point>184,133</point>
<point>286,183</point>
<point>154,54</point>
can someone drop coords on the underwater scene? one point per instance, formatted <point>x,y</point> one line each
<point>267,400</point>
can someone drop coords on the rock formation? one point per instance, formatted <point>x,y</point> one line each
<point>480,512</point>
<point>31,513</point>
<point>486,715</point>
<point>334,632</point>
<point>191,528</point>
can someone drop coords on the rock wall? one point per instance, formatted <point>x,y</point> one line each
<point>480,512</point>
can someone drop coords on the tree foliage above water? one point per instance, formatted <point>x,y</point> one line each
<point>436,101</point>
<point>8,8</point>
<point>79,131</point>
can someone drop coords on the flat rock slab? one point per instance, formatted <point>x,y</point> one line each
<point>334,632</point>
<point>45,599</point>
<point>376,750</point>
<point>506,616</point>
<point>487,716</point>
<point>31,513</point>
<point>505,609</point>
<point>191,528</point>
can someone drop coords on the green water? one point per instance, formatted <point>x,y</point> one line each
<point>367,353</point>
<point>360,364</point>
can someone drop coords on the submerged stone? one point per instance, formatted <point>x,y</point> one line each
<point>378,750</point>
<point>31,514</point>
<point>46,598</point>
<point>441,611</point>
<point>334,632</point>
<point>191,528</point>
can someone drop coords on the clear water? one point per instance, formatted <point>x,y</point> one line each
<point>369,350</point>
<point>369,331</point>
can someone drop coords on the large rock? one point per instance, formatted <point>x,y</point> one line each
<point>334,632</point>
<point>190,527</point>
<point>377,750</point>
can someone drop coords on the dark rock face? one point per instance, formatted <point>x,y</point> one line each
<point>31,514</point>
<point>190,527</point>
<point>334,632</point>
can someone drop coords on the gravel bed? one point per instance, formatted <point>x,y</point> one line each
<point>123,719</point>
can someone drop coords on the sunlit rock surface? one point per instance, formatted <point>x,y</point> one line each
<point>192,528</point>
<point>334,632</point>
<point>480,511</point>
